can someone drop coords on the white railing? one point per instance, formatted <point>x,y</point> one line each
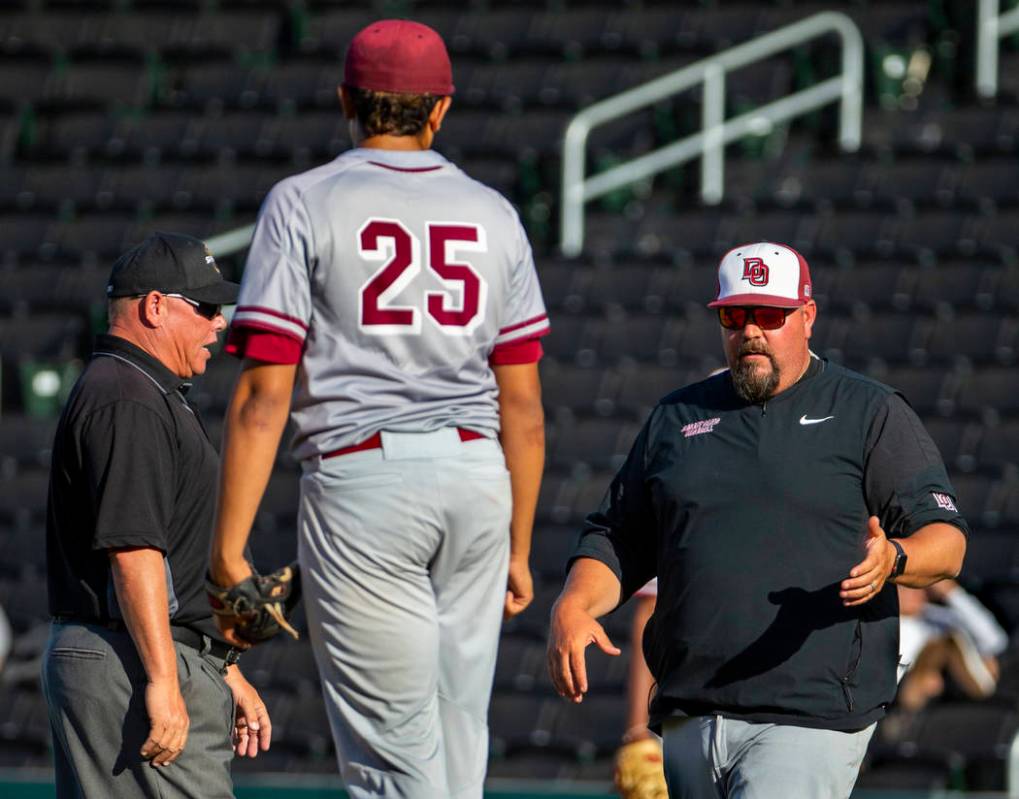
<point>716,131</point>
<point>1012,769</point>
<point>992,27</point>
<point>230,242</point>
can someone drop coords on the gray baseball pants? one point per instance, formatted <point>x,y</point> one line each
<point>404,553</point>
<point>712,757</point>
<point>94,684</point>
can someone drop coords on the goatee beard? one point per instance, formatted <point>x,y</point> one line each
<point>751,384</point>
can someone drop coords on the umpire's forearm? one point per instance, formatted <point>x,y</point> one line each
<point>254,423</point>
<point>522,435</point>
<point>139,579</point>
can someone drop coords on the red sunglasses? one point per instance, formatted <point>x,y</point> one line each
<point>736,317</point>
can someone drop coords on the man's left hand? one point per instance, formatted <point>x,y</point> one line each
<point>867,578</point>
<point>252,727</point>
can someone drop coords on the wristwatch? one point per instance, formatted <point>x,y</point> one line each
<point>900,559</point>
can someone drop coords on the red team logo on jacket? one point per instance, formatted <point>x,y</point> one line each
<point>755,271</point>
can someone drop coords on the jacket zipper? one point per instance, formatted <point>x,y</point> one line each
<point>847,694</point>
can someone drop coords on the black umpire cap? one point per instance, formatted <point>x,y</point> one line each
<point>171,263</point>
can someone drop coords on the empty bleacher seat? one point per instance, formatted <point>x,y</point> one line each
<point>999,445</point>
<point>956,440</point>
<point>979,733</point>
<point>521,663</point>
<point>892,337</point>
<point>517,721</point>
<point>877,284</point>
<point>991,557</point>
<point>102,80</point>
<point>898,773</point>
<point>961,284</point>
<point>26,440</point>
<point>104,234</point>
<point>40,336</point>
<point>593,726</point>
<point>977,337</point>
<point>599,443</point>
<point>197,82</point>
<point>23,78</point>
<point>308,81</point>
<point>551,548</point>
<point>577,388</point>
<point>918,180</point>
<point>990,389</point>
<point>976,497</point>
<point>937,231</point>
<point>47,186</point>
<point>988,180</point>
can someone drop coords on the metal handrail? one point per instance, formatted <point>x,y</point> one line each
<point>1012,768</point>
<point>992,27</point>
<point>231,241</point>
<point>715,131</point>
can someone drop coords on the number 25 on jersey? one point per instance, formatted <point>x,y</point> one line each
<point>456,311</point>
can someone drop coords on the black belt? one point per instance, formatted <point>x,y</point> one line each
<point>203,644</point>
<point>196,640</point>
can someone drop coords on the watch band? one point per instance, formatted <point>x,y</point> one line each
<point>900,559</point>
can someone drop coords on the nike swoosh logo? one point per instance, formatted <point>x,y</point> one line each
<point>805,420</point>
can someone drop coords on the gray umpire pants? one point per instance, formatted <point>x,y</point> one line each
<point>404,554</point>
<point>712,757</point>
<point>94,684</point>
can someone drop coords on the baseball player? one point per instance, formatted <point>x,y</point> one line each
<point>397,299</point>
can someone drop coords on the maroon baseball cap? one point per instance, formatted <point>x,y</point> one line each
<point>763,273</point>
<point>397,55</point>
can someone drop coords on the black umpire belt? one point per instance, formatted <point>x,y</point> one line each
<point>203,644</point>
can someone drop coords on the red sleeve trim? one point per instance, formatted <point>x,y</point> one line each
<point>264,327</point>
<point>515,352</point>
<point>271,312</point>
<point>270,346</point>
<point>525,323</point>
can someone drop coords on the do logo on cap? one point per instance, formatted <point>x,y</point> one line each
<point>764,273</point>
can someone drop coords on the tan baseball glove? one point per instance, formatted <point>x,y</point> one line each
<point>640,770</point>
<point>260,605</point>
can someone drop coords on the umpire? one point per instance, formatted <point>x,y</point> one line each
<point>134,668</point>
<point>775,502</point>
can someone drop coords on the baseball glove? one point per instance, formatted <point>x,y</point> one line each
<point>640,771</point>
<point>259,604</point>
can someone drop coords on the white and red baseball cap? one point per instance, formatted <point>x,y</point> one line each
<point>398,55</point>
<point>763,273</point>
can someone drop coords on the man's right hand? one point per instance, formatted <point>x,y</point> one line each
<point>169,722</point>
<point>572,631</point>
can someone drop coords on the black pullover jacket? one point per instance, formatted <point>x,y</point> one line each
<point>751,516</point>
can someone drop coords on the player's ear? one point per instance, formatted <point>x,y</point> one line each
<point>439,111</point>
<point>809,315</point>
<point>346,102</point>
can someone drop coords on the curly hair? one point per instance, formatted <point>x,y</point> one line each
<point>392,113</point>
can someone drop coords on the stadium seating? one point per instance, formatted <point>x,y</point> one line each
<point>119,117</point>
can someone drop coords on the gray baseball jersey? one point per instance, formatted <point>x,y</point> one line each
<point>396,280</point>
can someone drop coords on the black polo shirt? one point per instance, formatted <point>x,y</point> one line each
<point>751,516</point>
<point>132,467</point>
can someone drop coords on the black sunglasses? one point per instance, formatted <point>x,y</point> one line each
<point>736,317</point>
<point>207,309</point>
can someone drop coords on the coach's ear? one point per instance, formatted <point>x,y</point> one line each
<point>439,111</point>
<point>346,102</point>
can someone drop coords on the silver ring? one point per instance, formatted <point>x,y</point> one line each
<point>873,587</point>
